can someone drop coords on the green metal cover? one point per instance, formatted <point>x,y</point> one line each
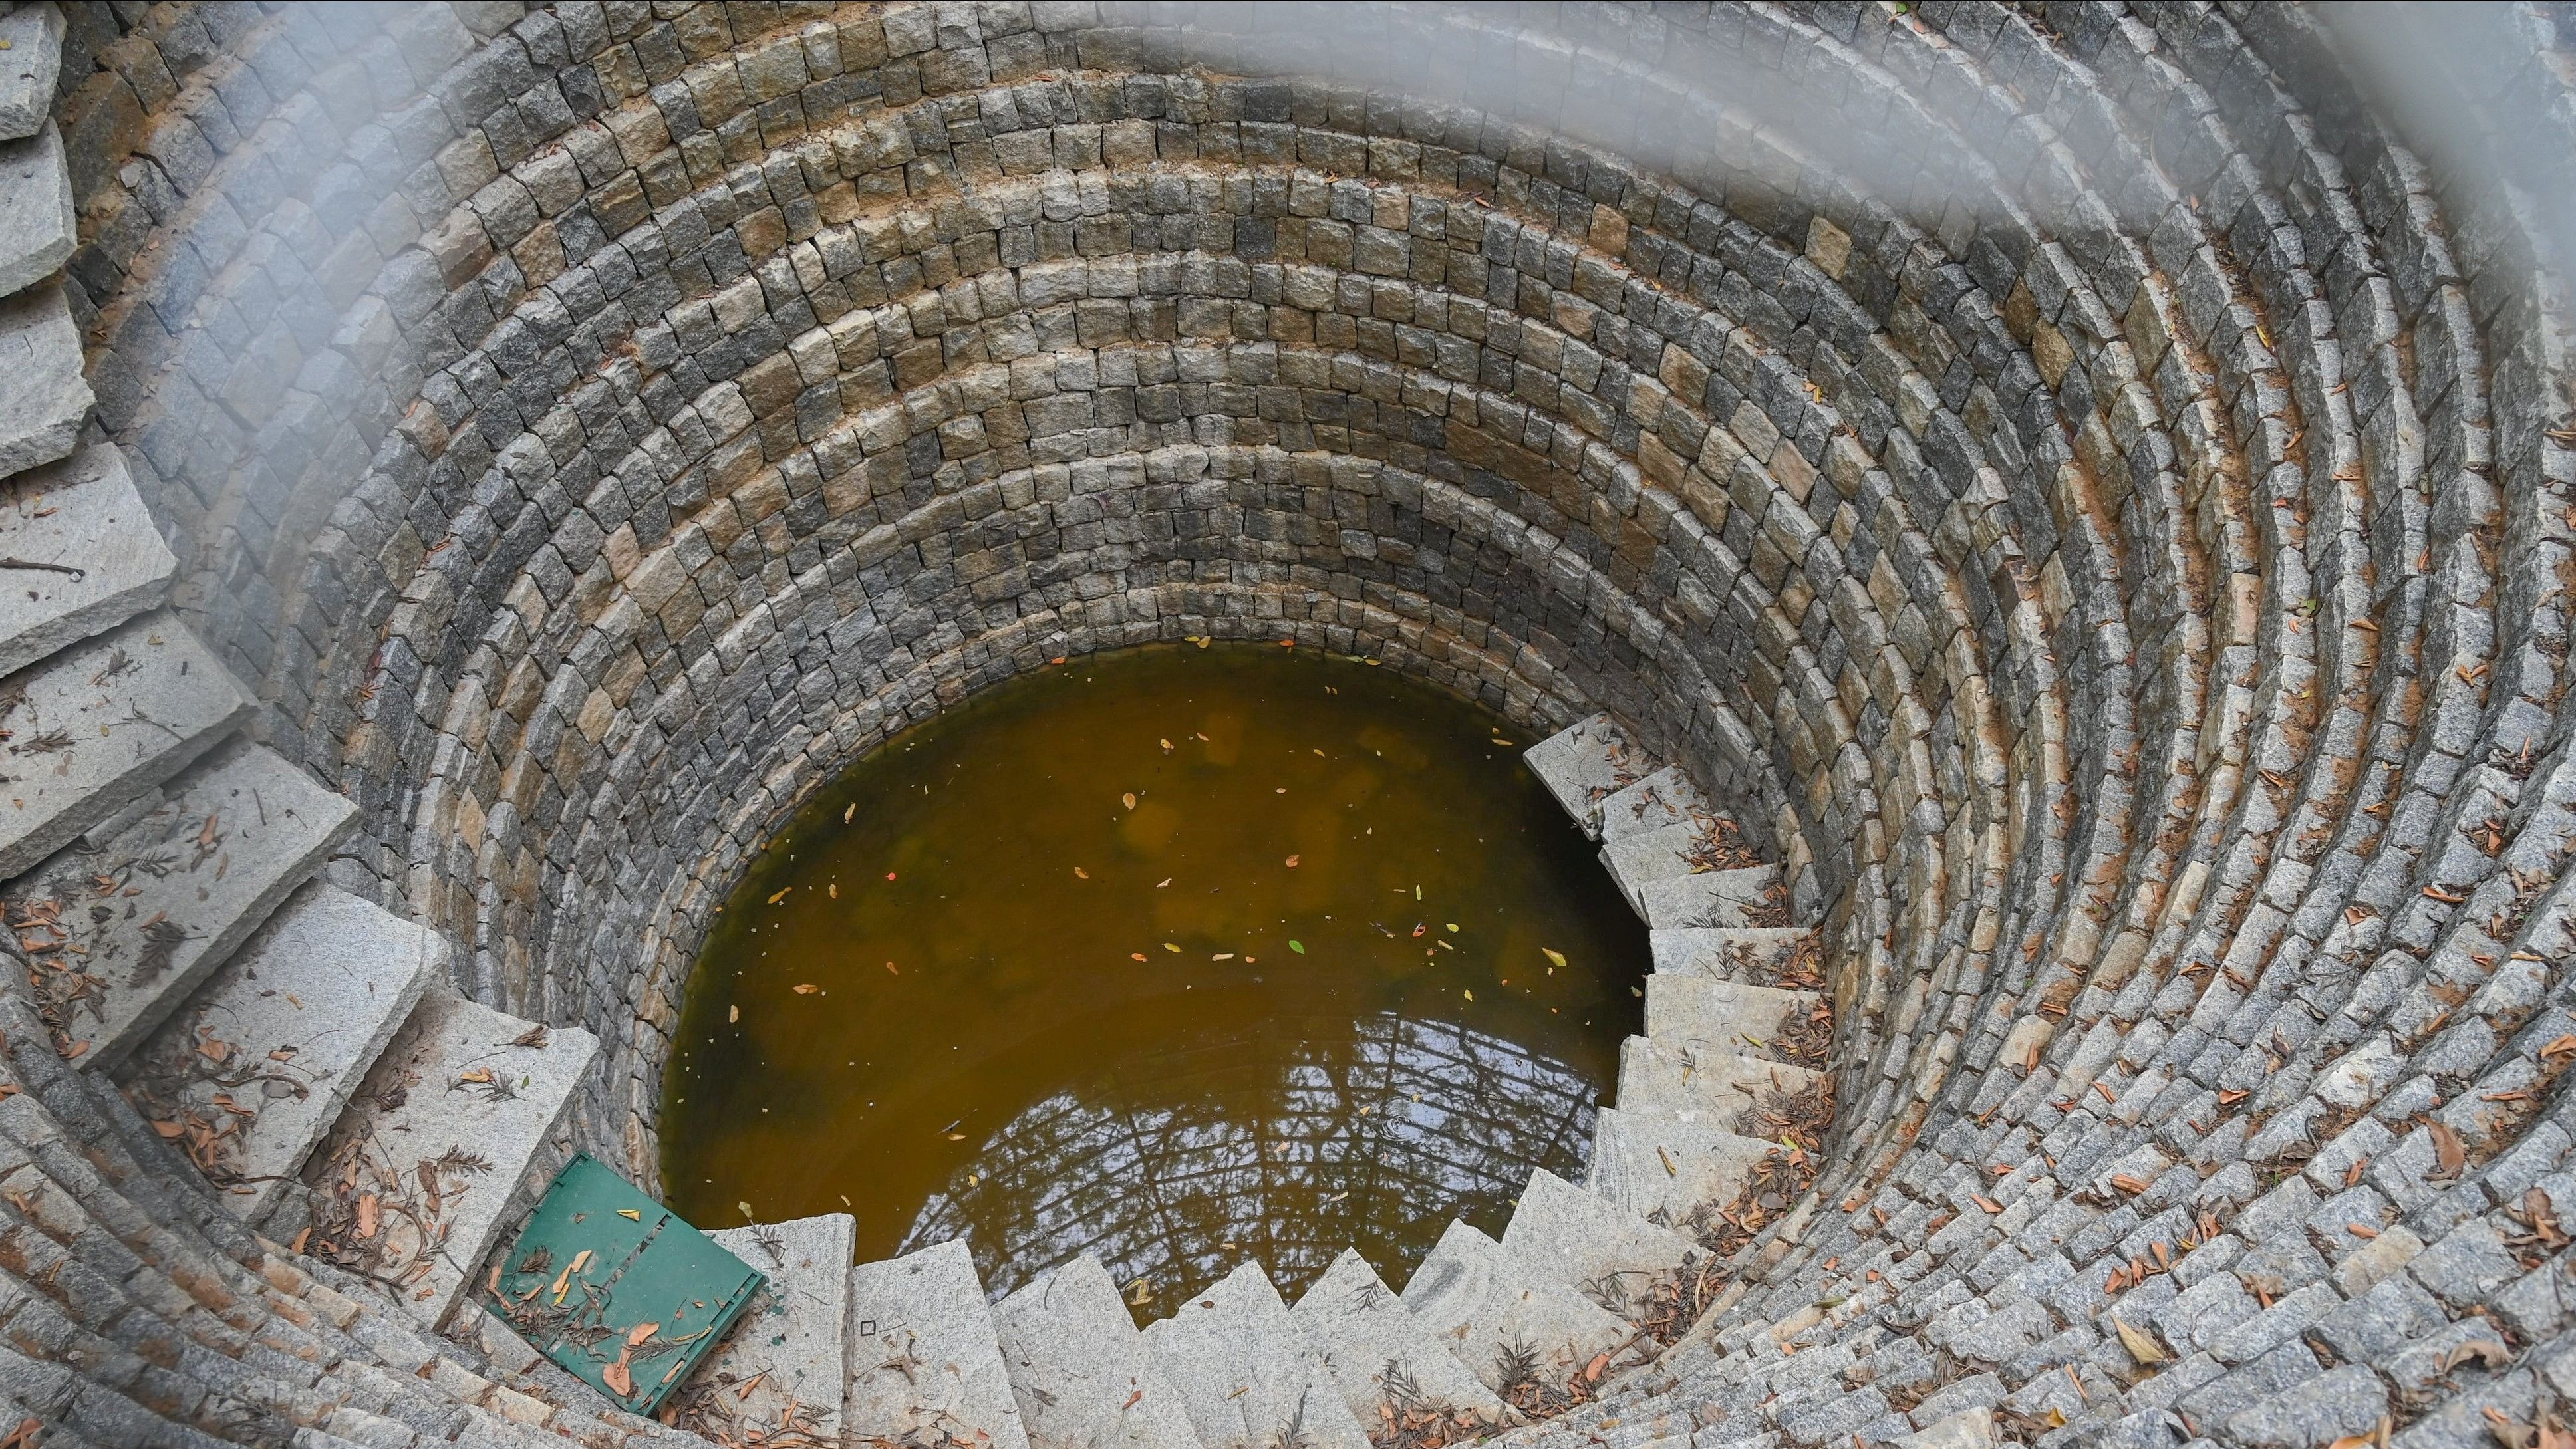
<point>616,1287</point>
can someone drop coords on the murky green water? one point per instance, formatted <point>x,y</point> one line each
<point>1175,955</point>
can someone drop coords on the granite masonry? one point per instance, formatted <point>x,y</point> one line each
<point>469,470</point>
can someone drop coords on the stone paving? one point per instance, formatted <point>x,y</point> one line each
<point>2118,585</point>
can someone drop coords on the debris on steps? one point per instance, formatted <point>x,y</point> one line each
<point>1080,1370</point>
<point>417,1177</point>
<point>262,1060</point>
<point>1244,1374</point>
<point>1394,1376</point>
<point>1757,955</point>
<point>1582,1242</point>
<point>1725,1086</point>
<point>613,1288</point>
<point>124,924</point>
<point>1537,1344</point>
<point>779,1377</point>
<point>1708,898</point>
<point>1661,1165</point>
<point>925,1364</point>
<point>1661,800</point>
<point>1709,1015</point>
<point>88,556</point>
<point>97,725</point>
<point>1584,764</point>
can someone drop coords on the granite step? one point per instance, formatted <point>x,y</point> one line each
<point>1080,1371</point>
<point>1662,1165</point>
<point>1750,954</point>
<point>1707,898</point>
<point>1246,1377</point>
<point>47,399</point>
<point>1584,764</point>
<point>1381,1358</point>
<point>253,1070</point>
<point>1721,1085</point>
<point>435,1149</point>
<point>94,727</point>
<point>36,224</point>
<point>33,35</point>
<point>82,513</point>
<point>783,1370</point>
<point>925,1366</point>
<point>1663,799</point>
<point>128,920</point>
<point>1607,1254</point>
<point>1502,1317</point>
<point>1707,1014</point>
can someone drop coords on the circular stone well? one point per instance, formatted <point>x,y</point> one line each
<point>2086,486</point>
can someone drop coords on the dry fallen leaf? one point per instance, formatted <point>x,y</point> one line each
<point>2141,1345</point>
<point>367,1215</point>
<point>2450,1159</point>
<point>2487,1352</point>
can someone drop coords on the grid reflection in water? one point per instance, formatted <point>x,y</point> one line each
<point>1285,1149</point>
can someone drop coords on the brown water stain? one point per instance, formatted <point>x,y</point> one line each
<point>1176,955</point>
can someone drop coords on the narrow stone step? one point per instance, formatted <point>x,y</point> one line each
<point>1662,1165</point>
<point>1244,1374</point>
<point>47,398</point>
<point>1663,799</point>
<point>36,225</point>
<point>1709,898</point>
<point>782,1371</point>
<point>1707,1014</point>
<point>439,1138</point>
<point>1080,1370</point>
<point>123,927</point>
<point>28,68</point>
<point>83,513</point>
<point>1384,1362</point>
<point>925,1366</point>
<point>1501,1318</point>
<point>1732,953</point>
<point>94,727</point>
<point>1610,1256</point>
<point>1584,764</point>
<point>259,1063</point>
<point>1721,1085</point>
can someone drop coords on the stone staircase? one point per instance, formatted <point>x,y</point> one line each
<point>302,1047</point>
<point>1487,1334</point>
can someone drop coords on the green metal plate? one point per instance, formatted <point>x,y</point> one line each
<point>616,1287</point>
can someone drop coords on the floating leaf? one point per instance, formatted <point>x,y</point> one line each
<point>733,1013</point>
<point>1297,946</point>
<point>1554,958</point>
<point>1292,862</point>
<point>1128,799</point>
<point>2140,1344</point>
<point>1136,955</point>
<point>806,988</point>
<point>852,810</point>
<point>1081,874</point>
<point>1168,946</point>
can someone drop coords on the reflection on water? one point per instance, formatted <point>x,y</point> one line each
<point>1153,954</point>
<point>1287,1148</point>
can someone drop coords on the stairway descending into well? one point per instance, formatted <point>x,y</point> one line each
<point>300,1046</point>
<point>1486,1336</point>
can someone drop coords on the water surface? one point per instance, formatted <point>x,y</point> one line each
<point>1175,955</point>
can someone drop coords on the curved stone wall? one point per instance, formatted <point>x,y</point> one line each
<point>2123,579</point>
